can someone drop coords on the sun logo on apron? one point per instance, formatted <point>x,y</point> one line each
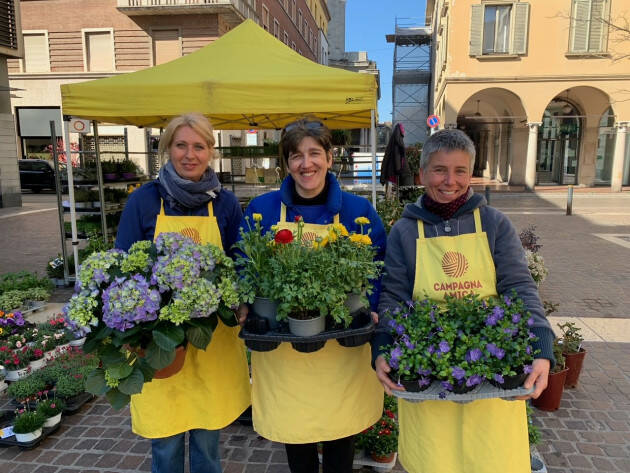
<point>191,233</point>
<point>309,236</point>
<point>454,264</point>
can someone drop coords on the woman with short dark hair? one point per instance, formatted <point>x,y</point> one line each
<point>330,395</point>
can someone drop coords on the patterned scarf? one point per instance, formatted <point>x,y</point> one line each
<point>184,194</point>
<point>447,210</point>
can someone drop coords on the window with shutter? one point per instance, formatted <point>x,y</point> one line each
<point>36,56</point>
<point>499,28</point>
<point>99,51</point>
<point>589,26</point>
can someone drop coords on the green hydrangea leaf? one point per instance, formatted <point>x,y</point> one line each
<point>168,336</point>
<point>95,382</point>
<point>132,384</point>
<point>117,399</point>
<point>120,370</point>
<point>157,357</point>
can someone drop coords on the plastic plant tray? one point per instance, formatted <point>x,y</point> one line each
<point>360,332</point>
<point>6,419</point>
<point>483,391</point>
<point>74,403</point>
<point>33,306</point>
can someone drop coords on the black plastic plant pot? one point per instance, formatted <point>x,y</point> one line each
<point>261,345</point>
<point>257,325</point>
<point>510,382</point>
<point>462,388</point>
<point>308,347</point>
<point>75,403</point>
<point>6,418</point>
<point>410,385</point>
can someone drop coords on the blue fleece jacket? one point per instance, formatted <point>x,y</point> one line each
<point>348,206</point>
<point>143,206</point>
<point>505,247</point>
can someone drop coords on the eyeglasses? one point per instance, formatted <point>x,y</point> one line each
<point>309,125</point>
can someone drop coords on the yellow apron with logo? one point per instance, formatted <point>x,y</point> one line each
<point>484,436</point>
<point>312,397</point>
<point>212,389</point>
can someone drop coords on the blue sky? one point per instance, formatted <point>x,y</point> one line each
<point>367,23</point>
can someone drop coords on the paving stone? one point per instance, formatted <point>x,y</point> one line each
<point>66,458</point>
<point>131,462</point>
<point>602,464</point>
<point>256,468</point>
<point>579,460</point>
<point>622,464</point>
<point>239,454</point>
<point>563,447</point>
<point>234,467</point>
<point>108,460</point>
<point>589,449</point>
<point>88,459</point>
<point>259,456</point>
<point>278,468</point>
<point>616,451</point>
<point>47,469</point>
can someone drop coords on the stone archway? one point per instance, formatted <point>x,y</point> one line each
<point>576,134</point>
<point>494,119</point>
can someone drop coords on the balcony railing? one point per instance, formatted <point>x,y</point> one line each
<point>235,10</point>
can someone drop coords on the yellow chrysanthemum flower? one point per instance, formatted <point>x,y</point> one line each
<point>332,235</point>
<point>362,221</point>
<point>366,240</point>
<point>274,228</point>
<point>324,242</point>
<point>360,239</point>
<point>257,217</point>
<point>340,228</point>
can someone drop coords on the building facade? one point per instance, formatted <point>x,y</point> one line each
<point>538,86</point>
<point>67,42</point>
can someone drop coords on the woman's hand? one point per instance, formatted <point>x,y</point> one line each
<point>537,378</point>
<point>382,368</point>
<point>241,314</point>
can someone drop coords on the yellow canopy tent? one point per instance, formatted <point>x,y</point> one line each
<point>245,79</point>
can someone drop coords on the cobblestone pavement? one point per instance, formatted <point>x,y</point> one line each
<point>589,277</point>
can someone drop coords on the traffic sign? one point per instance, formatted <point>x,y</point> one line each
<point>433,121</point>
<point>79,126</point>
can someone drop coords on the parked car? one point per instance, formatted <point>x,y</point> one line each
<point>36,174</point>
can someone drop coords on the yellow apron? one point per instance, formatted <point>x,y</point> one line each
<point>484,436</point>
<point>213,388</point>
<point>312,397</point>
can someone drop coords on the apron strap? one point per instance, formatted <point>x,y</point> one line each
<point>162,207</point>
<point>477,215</point>
<point>420,230</point>
<point>210,211</point>
<point>283,214</point>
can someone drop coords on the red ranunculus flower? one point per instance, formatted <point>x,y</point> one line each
<point>284,236</point>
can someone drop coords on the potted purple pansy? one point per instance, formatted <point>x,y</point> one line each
<point>461,343</point>
<point>141,308</point>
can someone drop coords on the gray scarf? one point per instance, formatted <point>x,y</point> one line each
<point>185,194</point>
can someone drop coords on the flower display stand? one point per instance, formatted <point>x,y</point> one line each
<point>33,306</point>
<point>3,386</point>
<point>362,459</point>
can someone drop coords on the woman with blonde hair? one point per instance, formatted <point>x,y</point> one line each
<point>212,389</point>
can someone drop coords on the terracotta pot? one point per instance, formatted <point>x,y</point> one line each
<point>383,458</point>
<point>550,398</point>
<point>573,361</point>
<point>173,368</point>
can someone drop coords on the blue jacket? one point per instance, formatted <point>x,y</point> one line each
<point>505,247</point>
<point>348,206</point>
<point>143,206</point>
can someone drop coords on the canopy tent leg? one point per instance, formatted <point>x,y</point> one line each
<point>73,214</point>
<point>373,147</point>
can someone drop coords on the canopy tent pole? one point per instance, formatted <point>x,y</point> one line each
<point>99,178</point>
<point>73,214</point>
<point>59,191</point>
<point>373,146</point>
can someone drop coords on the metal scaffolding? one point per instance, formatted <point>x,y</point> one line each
<point>411,78</point>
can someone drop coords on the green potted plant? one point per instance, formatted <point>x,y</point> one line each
<point>573,352</point>
<point>50,408</point>
<point>127,169</point>
<point>110,170</point>
<point>550,398</point>
<point>54,270</point>
<point>381,439</point>
<point>26,388</point>
<point>256,275</point>
<point>15,362</point>
<point>27,425</point>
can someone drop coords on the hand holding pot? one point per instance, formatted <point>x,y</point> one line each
<point>537,378</point>
<point>382,368</point>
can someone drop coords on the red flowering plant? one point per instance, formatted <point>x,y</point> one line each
<point>381,438</point>
<point>14,360</point>
<point>49,405</point>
